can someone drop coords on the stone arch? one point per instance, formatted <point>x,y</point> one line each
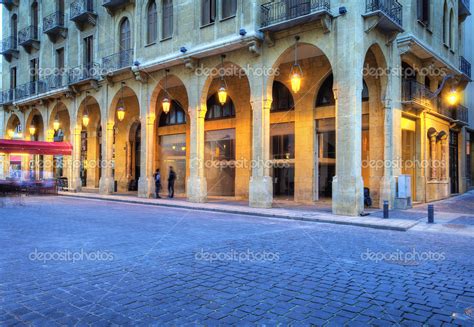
<point>381,70</point>
<point>174,81</point>
<point>12,123</point>
<point>128,91</point>
<point>93,108</point>
<point>35,117</point>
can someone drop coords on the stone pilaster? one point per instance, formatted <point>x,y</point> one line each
<point>196,183</point>
<point>75,182</point>
<point>261,186</point>
<point>106,184</point>
<point>146,183</point>
<point>388,184</point>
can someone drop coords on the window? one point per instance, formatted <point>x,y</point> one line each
<point>217,111</point>
<point>125,35</point>
<point>34,15</point>
<point>445,23</point>
<point>34,68</point>
<point>167,30</point>
<point>88,51</point>
<point>152,25</point>
<point>451,29</point>
<point>282,98</point>
<point>60,58</point>
<point>14,29</point>
<point>229,8</point>
<point>326,94</point>
<point>365,92</point>
<point>12,77</point>
<point>176,115</point>
<point>208,12</point>
<point>423,9</point>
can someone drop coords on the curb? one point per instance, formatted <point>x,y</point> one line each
<point>393,225</point>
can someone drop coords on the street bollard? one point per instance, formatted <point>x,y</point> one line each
<point>430,214</point>
<point>385,209</point>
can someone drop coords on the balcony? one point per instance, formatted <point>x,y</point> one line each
<point>417,95</point>
<point>30,89</point>
<point>280,15</point>
<point>54,25</point>
<point>88,73</point>
<point>9,4</point>
<point>461,115</point>
<point>7,97</point>
<point>82,13</point>
<point>9,47</point>
<point>117,62</point>
<point>385,15</point>
<point>28,38</point>
<point>465,66</point>
<point>464,8</point>
<point>113,5</point>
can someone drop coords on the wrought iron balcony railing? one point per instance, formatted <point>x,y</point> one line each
<point>458,113</point>
<point>55,24</point>
<point>417,93</point>
<point>117,61</point>
<point>391,9</point>
<point>465,66</point>
<point>461,114</point>
<point>82,12</point>
<point>7,96</point>
<point>28,36</point>
<point>9,45</point>
<point>30,89</point>
<point>84,73</point>
<point>281,11</point>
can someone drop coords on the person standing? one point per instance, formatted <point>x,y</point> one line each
<point>171,179</point>
<point>157,176</point>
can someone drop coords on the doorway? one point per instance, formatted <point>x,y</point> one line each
<point>454,161</point>
<point>409,152</point>
<point>283,160</point>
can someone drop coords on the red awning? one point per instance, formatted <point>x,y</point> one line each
<point>35,147</point>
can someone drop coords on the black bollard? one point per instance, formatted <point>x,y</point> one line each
<point>430,214</point>
<point>385,209</point>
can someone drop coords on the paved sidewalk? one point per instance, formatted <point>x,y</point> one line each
<point>285,213</point>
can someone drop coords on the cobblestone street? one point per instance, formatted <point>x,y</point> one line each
<point>80,262</point>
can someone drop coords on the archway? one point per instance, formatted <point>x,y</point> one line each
<point>227,132</point>
<point>60,125</point>
<point>89,123</point>
<point>172,132</point>
<point>15,166</point>
<point>34,131</point>
<point>123,139</point>
<point>295,124</point>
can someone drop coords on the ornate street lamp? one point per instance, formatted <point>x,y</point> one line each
<point>453,97</point>
<point>296,73</point>
<point>166,103</point>
<point>85,115</point>
<point>121,108</point>
<point>222,93</point>
<point>56,123</point>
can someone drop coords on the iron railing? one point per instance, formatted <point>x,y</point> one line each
<point>117,61</point>
<point>7,96</point>
<point>465,66</point>
<point>284,10</point>
<point>28,34</point>
<point>392,8</point>
<point>412,91</point>
<point>9,44</point>
<point>90,71</point>
<point>80,7</point>
<point>30,89</point>
<point>115,3</point>
<point>461,113</point>
<point>53,21</point>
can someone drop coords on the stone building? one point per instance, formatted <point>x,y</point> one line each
<point>323,97</point>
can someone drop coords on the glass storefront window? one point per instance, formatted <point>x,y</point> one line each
<point>219,159</point>
<point>282,141</point>
<point>173,153</point>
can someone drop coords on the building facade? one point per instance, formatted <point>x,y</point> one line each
<point>299,100</point>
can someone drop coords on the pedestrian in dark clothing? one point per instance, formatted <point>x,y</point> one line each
<point>157,176</point>
<point>171,179</point>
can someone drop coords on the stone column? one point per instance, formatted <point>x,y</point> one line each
<point>146,183</point>
<point>444,164</point>
<point>75,177</point>
<point>48,161</point>
<point>261,186</point>
<point>197,184</point>
<point>106,184</point>
<point>388,184</point>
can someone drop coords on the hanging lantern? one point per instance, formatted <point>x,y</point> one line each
<point>32,130</point>
<point>453,98</point>
<point>166,105</point>
<point>11,133</point>
<point>85,118</point>
<point>222,95</point>
<point>296,74</point>
<point>121,108</point>
<point>56,124</point>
